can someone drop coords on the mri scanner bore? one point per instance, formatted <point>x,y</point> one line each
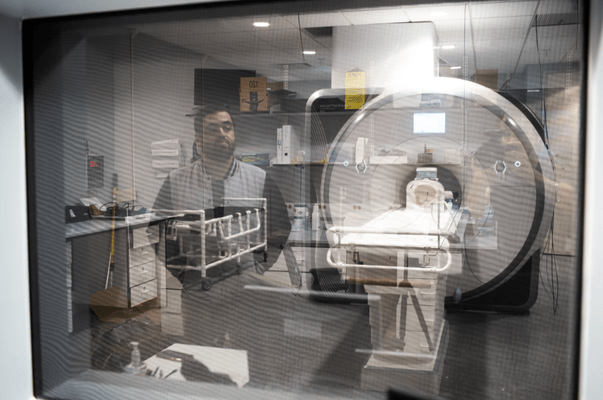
<point>461,214</point>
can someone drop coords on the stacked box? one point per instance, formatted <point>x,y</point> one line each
<point>253,94</point>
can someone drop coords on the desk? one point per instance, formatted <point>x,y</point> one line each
<point>137,273</point>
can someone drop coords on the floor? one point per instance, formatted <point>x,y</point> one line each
<point>307,348</point>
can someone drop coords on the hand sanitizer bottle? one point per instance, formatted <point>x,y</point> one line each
<point>135,367</point>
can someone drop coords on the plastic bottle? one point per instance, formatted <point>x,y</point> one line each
<point>136,366</point>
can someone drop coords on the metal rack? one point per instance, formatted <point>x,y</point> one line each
<point>232,236</point>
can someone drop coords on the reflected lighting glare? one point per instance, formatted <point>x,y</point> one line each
<point>457,67</point>
<point>448,47</point>
<point>309,52</point>
<point>261,24</point>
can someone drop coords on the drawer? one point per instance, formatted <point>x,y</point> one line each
<point>143,292</point>
<point>142,255</point>
<point>145,236</point>
<point>142,273</point>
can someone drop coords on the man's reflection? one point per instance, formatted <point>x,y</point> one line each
<point>215,317</point>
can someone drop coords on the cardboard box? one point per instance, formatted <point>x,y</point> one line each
<point>253,94</point>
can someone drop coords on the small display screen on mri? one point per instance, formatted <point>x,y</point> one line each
<point>429,123</point>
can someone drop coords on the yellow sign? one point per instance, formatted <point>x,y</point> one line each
<point>355,90</point>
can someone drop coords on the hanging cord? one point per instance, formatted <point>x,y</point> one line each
<point>550,264</point>
<point>542,94</point>
<point>550,282</point>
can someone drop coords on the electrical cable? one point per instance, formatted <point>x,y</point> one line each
<point>469,264</point>
<point>552,273</point>
<point>550,265</point>
<point>542,94</point>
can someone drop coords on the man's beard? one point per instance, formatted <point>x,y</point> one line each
<point>217,153</point>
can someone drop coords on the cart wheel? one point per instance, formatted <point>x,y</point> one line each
<point>240,269</point>
<point>265,256</point>
<point>206,284</point>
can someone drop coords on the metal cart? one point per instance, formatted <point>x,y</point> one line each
<point>204,239</point>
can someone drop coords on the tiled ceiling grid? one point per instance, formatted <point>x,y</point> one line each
<point>500,36</point>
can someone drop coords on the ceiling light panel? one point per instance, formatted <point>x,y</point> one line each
<point>379,16</point>
<point>318,20</point>
<point>246,24</point>
<point>426,13</point>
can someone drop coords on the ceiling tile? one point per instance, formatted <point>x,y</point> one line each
<point>284,38</point>
<point>502,9</point>
<point>195,44</point>
<point>557,31</point>
<point>557,7</point>
<point>458,25</point>
<point>164,29</point>
<point>232,37</point>
<point>249,46</point>
<point>502,34</point>
<point>378,16</point>
<point>453,36</point>
<point>431,13</point>
<point>502,23</point>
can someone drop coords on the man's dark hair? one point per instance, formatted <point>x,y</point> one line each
<point>211,109</point>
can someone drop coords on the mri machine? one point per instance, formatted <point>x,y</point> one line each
<point>440,197</point>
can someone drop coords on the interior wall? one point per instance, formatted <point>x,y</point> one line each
<point>163,93</point>
<point>591,345</point>
<point>15,344</point>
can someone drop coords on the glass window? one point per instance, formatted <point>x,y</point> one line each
<point>276,199</point>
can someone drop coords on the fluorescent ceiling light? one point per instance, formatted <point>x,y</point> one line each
<point>448,47</point>
<point>457,67</point>
<point>438,13</point>
<point>261,24</point>
<point>309,52</point>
